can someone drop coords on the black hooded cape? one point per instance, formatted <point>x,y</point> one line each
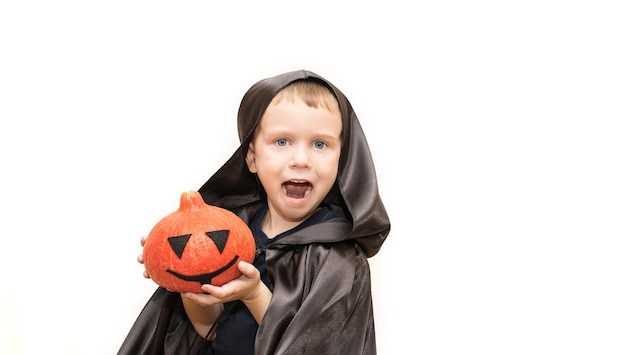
<point>321,287</point>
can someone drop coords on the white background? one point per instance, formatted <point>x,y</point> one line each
<point>497,129</point>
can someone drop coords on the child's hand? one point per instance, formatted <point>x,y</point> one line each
<point>140,257</point>
<point>248,288</point>
<point>244,288</point>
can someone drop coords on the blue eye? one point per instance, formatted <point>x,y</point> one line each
<point>281,142</point>
<point>319,145</point>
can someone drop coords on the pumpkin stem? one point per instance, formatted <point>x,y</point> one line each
<point>191,201</point>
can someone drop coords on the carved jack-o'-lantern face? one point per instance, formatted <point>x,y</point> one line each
<point>198,244</point>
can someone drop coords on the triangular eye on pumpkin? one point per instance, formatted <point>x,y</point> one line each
<point>179,243</point>
<point>219,238</point>
<point>198,243</point>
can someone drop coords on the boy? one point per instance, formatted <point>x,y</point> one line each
<point>304,181</point>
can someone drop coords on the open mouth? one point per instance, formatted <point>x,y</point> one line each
<point>297,189</point>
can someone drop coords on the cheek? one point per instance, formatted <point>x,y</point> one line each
<point>328,168</point>
<point>268,169</point>
<point>267,160</point>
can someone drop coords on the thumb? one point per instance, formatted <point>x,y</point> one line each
<point>247,269</point>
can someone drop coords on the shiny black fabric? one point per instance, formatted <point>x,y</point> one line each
<point>162,328</point>
<point>321,302</point>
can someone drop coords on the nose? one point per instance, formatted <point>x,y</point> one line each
<point>300,157</point>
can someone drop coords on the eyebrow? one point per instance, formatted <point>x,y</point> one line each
<point>280,132</point>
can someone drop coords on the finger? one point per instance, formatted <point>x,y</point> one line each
<point>200,298</point>
<point>248,270</point>
<point>140,258</point>
<point>222,293</point>
<point>211,289</point>
<point>143,240</point>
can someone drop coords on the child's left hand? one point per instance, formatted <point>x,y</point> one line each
<point>245,287</point>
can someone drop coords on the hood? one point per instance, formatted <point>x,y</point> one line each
<point>355,191</point>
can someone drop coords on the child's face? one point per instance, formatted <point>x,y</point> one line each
<point>295,154</point>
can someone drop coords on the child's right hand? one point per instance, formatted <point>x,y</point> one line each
<point>140,257</point>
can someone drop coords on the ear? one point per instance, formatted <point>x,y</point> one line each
<point>250,159</point>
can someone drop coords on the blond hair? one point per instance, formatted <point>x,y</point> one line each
<point>312,93</point>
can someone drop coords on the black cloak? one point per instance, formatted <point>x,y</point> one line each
<point>320,278</point>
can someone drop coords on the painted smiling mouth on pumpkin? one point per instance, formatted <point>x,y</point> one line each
<point>204,278</point>
<point>297,188</point>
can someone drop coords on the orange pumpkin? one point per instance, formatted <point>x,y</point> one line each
<point>197,244</point>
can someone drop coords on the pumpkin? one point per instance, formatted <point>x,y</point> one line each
<point>197,244</point>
